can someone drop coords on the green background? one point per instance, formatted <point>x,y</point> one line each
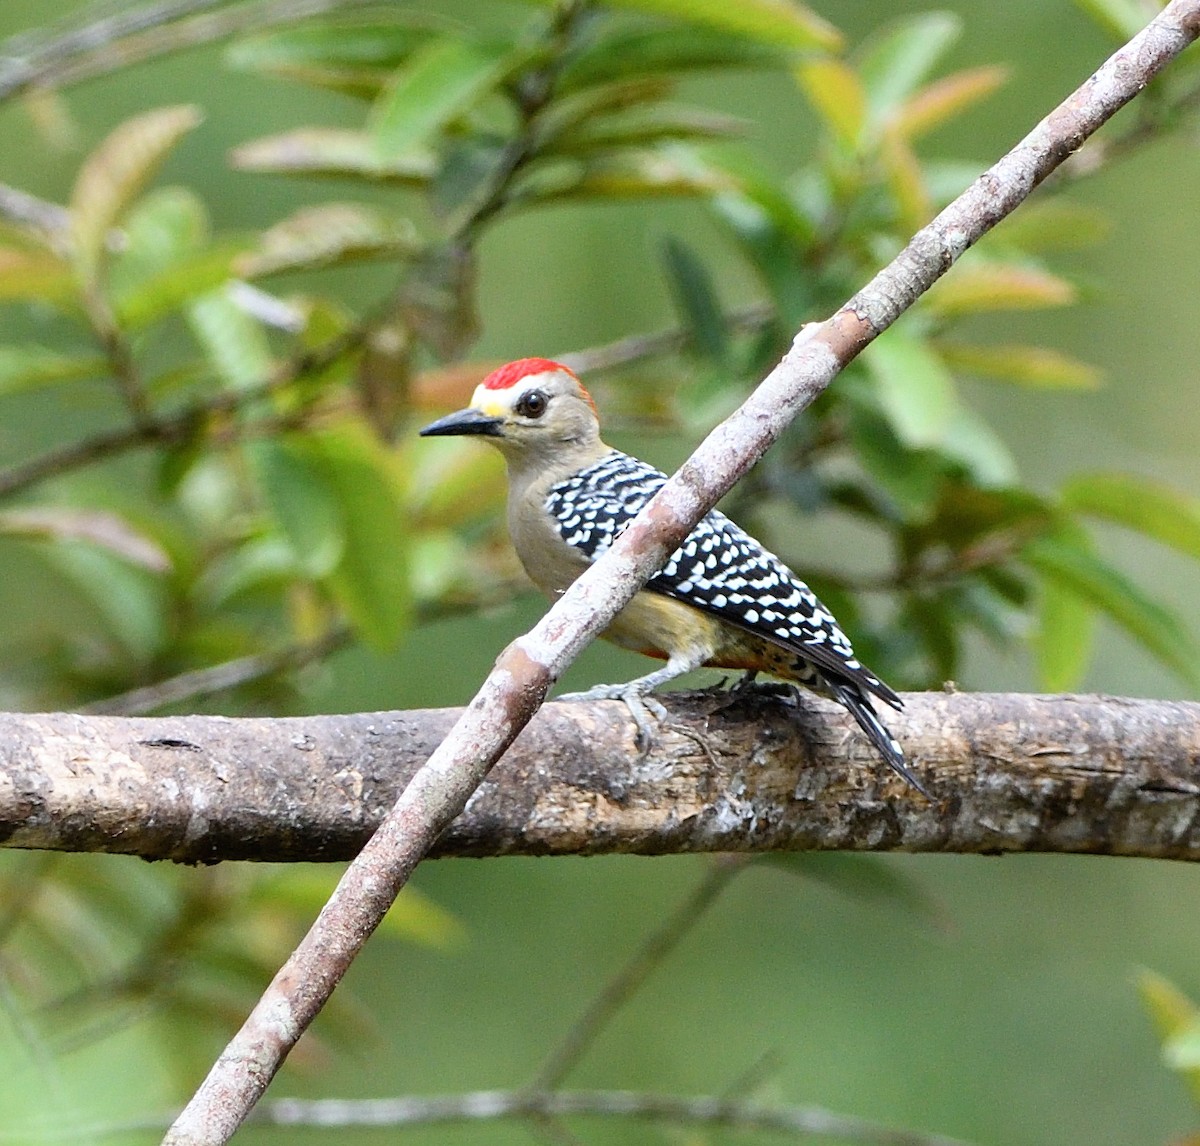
<point>1014,1020</point>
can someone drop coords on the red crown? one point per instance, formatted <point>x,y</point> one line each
<point>512,373</point>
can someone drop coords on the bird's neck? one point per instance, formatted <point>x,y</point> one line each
<point>531,474</point>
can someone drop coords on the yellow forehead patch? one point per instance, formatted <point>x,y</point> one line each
<point>500,403</point>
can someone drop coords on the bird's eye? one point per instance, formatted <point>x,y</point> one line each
<point>533,404</point>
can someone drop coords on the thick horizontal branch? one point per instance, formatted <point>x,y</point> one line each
<point>1010,772</point>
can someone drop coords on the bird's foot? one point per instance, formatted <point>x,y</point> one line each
<point>640,704</point>
<point>748,687</point>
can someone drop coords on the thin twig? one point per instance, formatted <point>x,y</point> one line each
<point>218,678</point>
<point>183,34</point>
<point>515,689</point>
<point>178,427</point>
<point>626,982</point>
<point>710,1111</point>
<point>635,347</point>
<point>51,220</point>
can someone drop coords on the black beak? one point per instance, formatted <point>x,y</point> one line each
<point>464,422</point>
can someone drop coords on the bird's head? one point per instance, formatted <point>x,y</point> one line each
<point>530,409</point>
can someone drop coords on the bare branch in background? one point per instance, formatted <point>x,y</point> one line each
<point>702,1111</point>
<point>136,34</point>
<point>524,672</point>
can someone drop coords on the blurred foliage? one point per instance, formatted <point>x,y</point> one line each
<point>287,503</point>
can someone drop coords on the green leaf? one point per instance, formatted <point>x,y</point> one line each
<point>235,344</point>
<point>162,228</point>
<point>896,61</point>
<point>158,296</point>
<point>909,478</point>
<point>355,55</point>
<point>436,85</point>
<point>1035,366</point>
<point>371,580</point>
<point>333,152</point>
<point>304,507</point>
<point>129,602</point>
<point>114,174</point>
<point>625,52</point>
<point>968,439</point>
<point>696,300</point>
<point>1149,507</point>
<point>972,288</point>
<point>783,22</point>
<point>1120,19</point>
<point>672,169</point>
<point>327,235</point>
<point>1067,559</point>
<point>646,125</point>
<point>1063,637</point>
<point>29,367</point>
<point>914,388</point>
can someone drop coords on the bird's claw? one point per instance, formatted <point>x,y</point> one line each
<point>641,707</point>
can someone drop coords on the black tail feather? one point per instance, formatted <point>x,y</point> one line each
<point>851,697</point>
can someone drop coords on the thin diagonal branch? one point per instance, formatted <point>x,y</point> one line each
<point>524,672</point>
<point>626,982</point>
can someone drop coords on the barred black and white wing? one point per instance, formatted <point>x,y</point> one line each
<point>719,569</point>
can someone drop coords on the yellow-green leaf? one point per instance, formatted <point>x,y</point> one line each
<point>115,173</point>
<point>783,22</point>
<point>1063,637</point>
<point>1055,225</point>
<point>939,102</point>
<point>914,207</point>
<point>334,152</point>
<point>639,126</point>
<point>185,279</point>
<point>328,235</point>
<point>982,286</point>
<point>1174,1015</point>
<point>35,275</point>
<point>836,94</point>
<point>1036,366</point>
<point>236,345</point>
<point>1152,508</point>
<point>667,170</point>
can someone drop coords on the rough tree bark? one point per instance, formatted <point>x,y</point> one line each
<point>1010,773</point>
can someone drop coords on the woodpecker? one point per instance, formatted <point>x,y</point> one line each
<point>721,600</point>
